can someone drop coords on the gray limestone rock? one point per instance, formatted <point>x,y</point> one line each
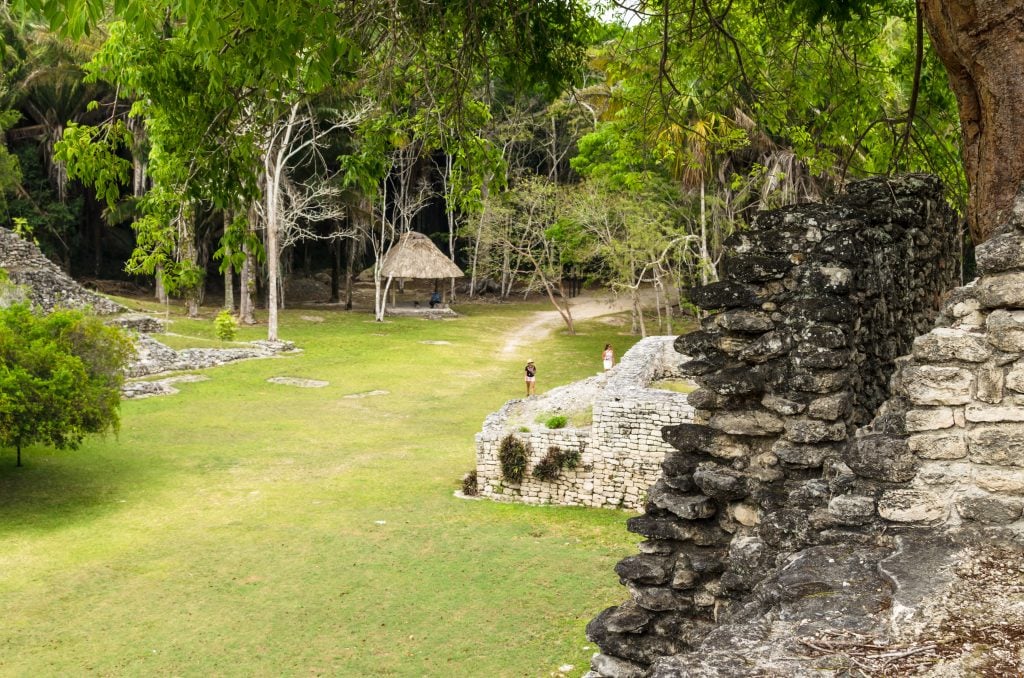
<point>991,509</point>
<point>998,444</point>
<point>644,569</point>
<point>1001,290</point>
<point>944,344</point>
<point>912,506</point>
<point>810,431</point>
<point>935,385</point>
<point>1005,330</point>
<point>881,457</point>
<point>721,482</point>
<point>1003,252</point>
<point>852,509</point>
<point>687,507</point>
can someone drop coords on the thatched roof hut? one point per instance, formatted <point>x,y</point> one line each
<point>415,256</point>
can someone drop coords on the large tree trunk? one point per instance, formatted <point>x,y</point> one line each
<point>981,43</point>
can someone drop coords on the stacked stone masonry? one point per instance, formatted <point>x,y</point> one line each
<point>46,285</point>
<point>622,449</point>
<point>816,304</point>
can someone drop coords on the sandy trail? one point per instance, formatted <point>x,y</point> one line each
<point>583,307</point>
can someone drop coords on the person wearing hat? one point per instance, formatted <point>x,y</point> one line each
<point>531,378</point>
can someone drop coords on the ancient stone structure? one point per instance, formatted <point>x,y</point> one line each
<point>41,282</point>
<point>772,485</point>
<point>621,450</point>
<point>44,283</point>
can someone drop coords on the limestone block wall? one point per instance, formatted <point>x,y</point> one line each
<point>621,451</point>
<point>816,304</point>
<point>46,285</point>
<point>952,436</point>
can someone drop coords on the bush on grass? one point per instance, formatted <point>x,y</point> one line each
<point>469,486</point>
<point>225,325</point>
<point>557,421</point>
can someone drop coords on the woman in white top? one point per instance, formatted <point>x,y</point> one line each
<point>608,356</point>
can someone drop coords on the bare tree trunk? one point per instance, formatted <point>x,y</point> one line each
<point>982,46</point>
<point>229,271</point>
<point>247,277</point>
<point>350,264</point>
<point>335,271</point>
<point>479,234</point>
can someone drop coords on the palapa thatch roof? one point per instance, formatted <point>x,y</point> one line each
<point>415,256</point>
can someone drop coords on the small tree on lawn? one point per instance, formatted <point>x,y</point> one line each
<point>60,377</point>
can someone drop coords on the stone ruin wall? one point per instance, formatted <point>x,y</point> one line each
<point>621,451</point>
<point>45,284</point>
<point>816,304</point>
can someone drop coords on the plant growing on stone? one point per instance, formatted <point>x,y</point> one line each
<point>226,325</point>
<point>556,421</point>
<point>550,467</point>
<point>469,484</point>
<point>513,455</point>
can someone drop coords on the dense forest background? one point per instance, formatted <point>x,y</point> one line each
<point>217,148</point>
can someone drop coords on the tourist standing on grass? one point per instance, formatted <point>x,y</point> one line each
<point>608,356</point>
<point>531,378</point>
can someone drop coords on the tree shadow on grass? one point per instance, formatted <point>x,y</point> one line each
<point>56,489</point>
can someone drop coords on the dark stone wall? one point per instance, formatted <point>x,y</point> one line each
<point>815,304</point>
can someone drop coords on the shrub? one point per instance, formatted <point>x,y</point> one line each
<point>60,377</point>
<point>226,325</point>
<point>513,454</point>
<point>570,459</point>
<point>550,467</point>
<point>469,486</point>
<point>557,421</point>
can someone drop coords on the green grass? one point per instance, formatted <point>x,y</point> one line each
<point>244,528</point>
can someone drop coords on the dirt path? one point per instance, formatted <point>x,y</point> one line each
<point>584,307</point>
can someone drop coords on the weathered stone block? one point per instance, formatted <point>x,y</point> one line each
<point>830,279</point>
<point>747,423</point>
<point>932,419</point>
<point>802,456</point>
<point>852,509</point>
<point>663,527</point>
<point>911,506</point>
<point>990,509</point>
<point>720,482</point>
<point>991,413</point>
<point>688,437</point>
<point>756,268</point>
<point>943,344</point>
<point>745,514</point>
<point>990,384</point>
<point>659,598</point>
<point>802,430</point>
<point>818,358</point>
<point>818,381</point>
<point>767,347</point>
<point>944,473</point>
<point>1006,330</point>
<point>687,507</point>
<point>698,344</point>
<point>615,667</point>
<point>742,320</point>
<point>644,569</point>
<point>830,407</point>
<point>821,310</point>
<point>938,445</point>
<point>1002,290</point>
<point>825,336</point>
<point>734,381</point>
<point>723,295</point>
<point>999,480</point>
<point>934,385</point>
<point>1000,444</point>
<point>1015,378</point>
<point>881,457</point>
<point>782,405</point>
<point>1003,252</point>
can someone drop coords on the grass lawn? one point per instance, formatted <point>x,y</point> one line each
<point>246,528</point>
